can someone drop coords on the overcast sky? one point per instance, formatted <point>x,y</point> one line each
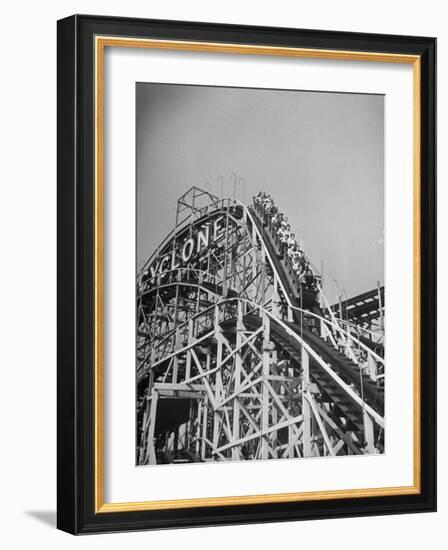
<point>321,156</point>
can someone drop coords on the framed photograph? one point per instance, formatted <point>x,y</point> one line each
<point>246,274</point>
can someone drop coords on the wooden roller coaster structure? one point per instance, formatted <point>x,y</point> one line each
<point>238,358</point>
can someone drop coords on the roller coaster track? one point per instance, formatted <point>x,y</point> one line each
<point>238,360</point>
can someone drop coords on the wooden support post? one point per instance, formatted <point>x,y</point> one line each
<point>176,358</point>
<point>205,405</point>
<point>373,367</point>
<point>265,391</point>
<point>204,428</point>
<point>306,408</point>
<point>151,452</point>
<point>279,389</point>
<point>236,451</point>
<point>254,255</point>
<point>244,247</point>
<point>323,329</point>
<point>198,427</point>
<point>369,434</point>
<point>291,447</point>
<point>217,395</point>
<point>226,248</point>
<point>263,275</point>
<point>190,340</point>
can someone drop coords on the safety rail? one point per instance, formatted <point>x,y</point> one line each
<point>178,275</point>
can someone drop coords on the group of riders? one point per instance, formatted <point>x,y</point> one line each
<point>278,224</point>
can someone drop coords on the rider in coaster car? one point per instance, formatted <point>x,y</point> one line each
<point>283,234</point>
<point>267,207</point>
<point>277,219</point>
<point>291,242</point>
<point>258,199</point>
<point>310,279</point>
<point>274,212</point>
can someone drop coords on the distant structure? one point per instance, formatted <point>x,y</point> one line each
<point>239,354</point>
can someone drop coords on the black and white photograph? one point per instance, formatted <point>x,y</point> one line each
<point>220,225</point>
<point>237,205</point>
<point>260,274</point>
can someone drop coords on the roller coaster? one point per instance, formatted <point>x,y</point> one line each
<point>239,358</point>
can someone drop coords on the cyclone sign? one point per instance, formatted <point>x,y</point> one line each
<point>188,249</point>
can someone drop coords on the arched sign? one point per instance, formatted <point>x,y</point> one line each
<point>191,247</point>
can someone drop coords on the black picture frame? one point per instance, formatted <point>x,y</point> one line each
<point>76,481</point>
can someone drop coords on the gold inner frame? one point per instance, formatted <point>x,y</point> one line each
<point>101,42</point>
